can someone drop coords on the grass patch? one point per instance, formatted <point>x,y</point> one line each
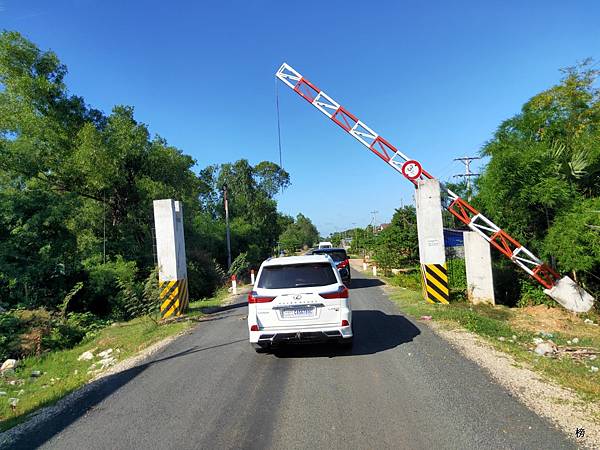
<point>512,330</point>
<point>62,373</point>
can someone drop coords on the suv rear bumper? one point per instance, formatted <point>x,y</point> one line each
<point>273,338</point>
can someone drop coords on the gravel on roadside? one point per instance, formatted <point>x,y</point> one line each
<point>558,404</point>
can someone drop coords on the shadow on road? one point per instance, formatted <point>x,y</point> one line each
<point>361,283</point>
<point>374,332</point>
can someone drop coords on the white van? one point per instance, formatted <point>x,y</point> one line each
<point>299,299</point>
<point>325,244</point>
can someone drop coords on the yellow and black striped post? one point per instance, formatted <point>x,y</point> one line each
<point>435,283</point>
<point>173,297</point>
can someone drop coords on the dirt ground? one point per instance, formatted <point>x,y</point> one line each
<point>557,320</point>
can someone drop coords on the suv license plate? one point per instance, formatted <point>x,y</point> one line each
<point>294,313</point>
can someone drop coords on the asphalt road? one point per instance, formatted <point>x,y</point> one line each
<point>400,387</point>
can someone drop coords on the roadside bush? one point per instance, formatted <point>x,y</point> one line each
<point>239,265</point>
<point>61,334</point>
<point>408,280</point>
<point>67,332</point>
<point>141,299</point>
<point>532,294</point>
<point>34,325</point>
<point>205,276</point>
<point>457,279</point>
<point>457,274</point>
<point>27,332</point>
<point>254,257</point>
<point>506,290</point>
<point>87,322</point>
<point>104,294</point>
<point>10,326</point>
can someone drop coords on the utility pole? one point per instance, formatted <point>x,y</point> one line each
<point>373,214</point>
<point>466,160</point>
<point>104,228</point>
<point>227,226</point>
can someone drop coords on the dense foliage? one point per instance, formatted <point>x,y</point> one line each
<point>76,192</point>
<point>542,182</point>
<point>299,234</point>
<point>397,245</point>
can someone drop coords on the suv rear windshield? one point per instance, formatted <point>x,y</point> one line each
<point>336,255</point>
<point>296,275</point>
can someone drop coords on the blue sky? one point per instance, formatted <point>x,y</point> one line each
<point>435,78</point>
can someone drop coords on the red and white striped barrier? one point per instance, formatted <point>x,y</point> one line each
<point>233,285</point>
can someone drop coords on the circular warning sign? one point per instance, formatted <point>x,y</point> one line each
<point>411,169</point>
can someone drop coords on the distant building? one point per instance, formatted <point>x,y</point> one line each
<point>381,227</point>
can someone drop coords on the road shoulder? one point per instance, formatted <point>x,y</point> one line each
<point>112,375</point>
<point>563,407</point>
<point>559,405</point>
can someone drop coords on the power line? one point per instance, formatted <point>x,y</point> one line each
<point>278,122</point>
<point>466,160</point>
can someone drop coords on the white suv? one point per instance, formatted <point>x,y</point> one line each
<point>299,299</point>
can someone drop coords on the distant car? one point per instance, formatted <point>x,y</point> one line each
<point>299,299</point>
<point>325,245</point>
<point>340,258</point>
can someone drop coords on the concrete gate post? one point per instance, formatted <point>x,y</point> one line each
<point>478,265</point>
<point>432,252</point>
<point>170,252</point>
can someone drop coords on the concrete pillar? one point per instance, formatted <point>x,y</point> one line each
<point>170,252</point>
<point>478,264</point>
<point>430,230</point>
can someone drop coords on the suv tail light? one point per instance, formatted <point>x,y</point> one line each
<point>342,292</point>
<point>345,323</point>
<point>253,298</point>
<point>255,328</point>
<point>342,264</point>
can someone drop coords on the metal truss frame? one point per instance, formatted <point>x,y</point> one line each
<point>458,207</point>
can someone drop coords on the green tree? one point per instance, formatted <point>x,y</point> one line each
<point>397,245</point>
<point>38,125</point>
<point>543,172</point>
<point>301,233</point>
<point>255,222</point>
<point>74,181</point>
<point>65,170</point>
<point>575,236</point>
